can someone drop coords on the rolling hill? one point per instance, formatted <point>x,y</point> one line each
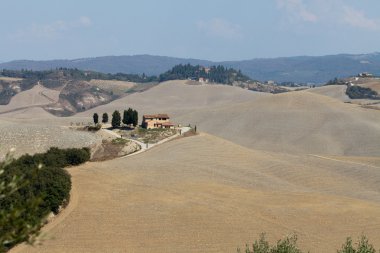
<point>302,69</point>
<point>300,162</point>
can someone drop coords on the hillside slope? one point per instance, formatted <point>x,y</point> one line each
<point>205,194</point>
<point>294,122</point>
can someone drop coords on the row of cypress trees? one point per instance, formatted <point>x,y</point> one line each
<point>130,117</point>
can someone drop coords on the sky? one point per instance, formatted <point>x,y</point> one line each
<point>204,29</point>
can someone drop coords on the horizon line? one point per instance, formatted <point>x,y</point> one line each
<point>185,58</point>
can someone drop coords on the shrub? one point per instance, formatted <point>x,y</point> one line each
<point>287,245</point>
<point>363,246</point>
<point>76,156</point>
<point>30,188</point>
<point>95,128</point>
<point>358,92</point>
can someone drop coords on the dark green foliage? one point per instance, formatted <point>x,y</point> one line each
<point>135,118</point>
<point>287,245</point>
<point>358,92</point>
<point>76,156</point>
<point>126,117</point>
<point>336,81</point>
<point>95,128</point>
<point>362,246</point>
<point>53,78</point>
<point>130,117</point>
<point>6,94</point>
<point>216,74</point>
<point>105,118</point>
<point>95,117</point>
<point>42,186</point>
<point>116,119</point>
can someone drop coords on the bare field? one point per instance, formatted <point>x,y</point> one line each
<point>205,194</point>
<point>10,79</point>
<point>177,97</point>
<point>295,122</point>
<point>117,87</point>
<point>35,97</point>
<point>309,164</point>
<point>32,139</point>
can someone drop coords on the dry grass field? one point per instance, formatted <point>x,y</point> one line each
<point>295,122</point>
<point>205,194</point>
<point>117,87</point>
<point>35,97</point>
<point>28,138</point>
<point>10,79</point>
<point>301,162</point>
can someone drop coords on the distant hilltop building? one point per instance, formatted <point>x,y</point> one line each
<point>203,80</point>
<point>365,74</point>
<point>153,121</point>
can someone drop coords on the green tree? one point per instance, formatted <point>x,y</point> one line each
<point>127,116</point>
<point>135,118</point>
<point>130,117</point>
<point>363,246</point>
<point>105,118</point>
<point>16,221</point>
<point>96,118</point>
<point>116,119</point>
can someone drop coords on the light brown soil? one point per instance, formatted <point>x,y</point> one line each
<point>311,165</point>
<point>108,150</point>
<point>37,96</point>
<point>204,194</point>
<point>27,138</point>
<point>117,87</point>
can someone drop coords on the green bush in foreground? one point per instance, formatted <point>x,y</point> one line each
<point>289,245</point>
<point>363,246</point>
<point>31,187</point>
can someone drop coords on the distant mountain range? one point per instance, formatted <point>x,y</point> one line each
<point>300,69</point>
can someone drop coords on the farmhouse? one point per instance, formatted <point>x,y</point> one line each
<point>156,121</point>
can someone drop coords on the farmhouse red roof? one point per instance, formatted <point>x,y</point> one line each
<point>167,124</point>
<point>154,116</point>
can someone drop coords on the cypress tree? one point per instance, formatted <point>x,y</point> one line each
<point>105,118</point>
<point>116,119</point>
<point>96,118</point>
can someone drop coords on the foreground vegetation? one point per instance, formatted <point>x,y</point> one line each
<point>289,245</point>
<point>32,187</point>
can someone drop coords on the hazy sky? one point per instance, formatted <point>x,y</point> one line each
<point>205,29</point>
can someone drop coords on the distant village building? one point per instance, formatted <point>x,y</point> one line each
<point>270,82</point>
<point>157,121</point>
<point>203,80</point>
<point>365,74</point>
